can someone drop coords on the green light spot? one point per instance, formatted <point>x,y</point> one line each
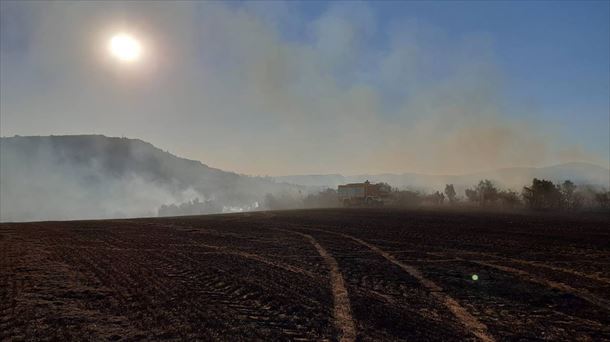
<point>475,277</point>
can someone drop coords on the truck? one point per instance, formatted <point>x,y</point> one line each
<point>363,194</point>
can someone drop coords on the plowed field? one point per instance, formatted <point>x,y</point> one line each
<point>310,275</point>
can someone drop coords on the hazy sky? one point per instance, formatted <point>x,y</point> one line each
<point>284,88</point>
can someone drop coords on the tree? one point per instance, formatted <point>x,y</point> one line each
<point>406,198</point>
<point>509,199</point>
<point>450,192</point>
<point>472,195</point>
<point>324,199</point>
<point>440,197</point>
<point>436,198</point>
<point>484,194</point>
<point>542,194</point>
<point>487,192</point>
<point>570,199</point>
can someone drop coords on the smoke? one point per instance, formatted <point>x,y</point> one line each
<point>91,177</point>
<point>257,89</point>
<point>41,180</point>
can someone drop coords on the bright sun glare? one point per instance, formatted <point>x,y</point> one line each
<point>125,47</point>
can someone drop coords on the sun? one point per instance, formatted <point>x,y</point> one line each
<point>125,47</point>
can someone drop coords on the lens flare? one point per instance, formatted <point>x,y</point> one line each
<point>475,277</point>
<point>125,47</point>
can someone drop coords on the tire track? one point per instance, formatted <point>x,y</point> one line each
<point>249,303</point>
<point>239,302</point>
<point>256,257</point>
<point>595,277</point>
<point>236,252</point>
<point>228,299</point>
<point>477,328</point>
<point>236,302</point>
<point>581,293</point>
<point>584,294</point>
<point>342,310</point>
<point>539,264</point>
<point>472,323</point>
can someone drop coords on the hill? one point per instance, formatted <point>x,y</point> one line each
<point>93,176</point>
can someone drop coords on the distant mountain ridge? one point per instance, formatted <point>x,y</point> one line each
<point>94,176</point>
<point>515,177</point>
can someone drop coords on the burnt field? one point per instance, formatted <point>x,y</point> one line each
<point>367,275</point>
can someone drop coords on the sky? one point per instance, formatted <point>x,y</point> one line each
<point>277,88</point>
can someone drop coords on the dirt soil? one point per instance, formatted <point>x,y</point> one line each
<point>309,275</point>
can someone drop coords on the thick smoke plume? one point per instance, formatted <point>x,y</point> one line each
<point>245,87</point>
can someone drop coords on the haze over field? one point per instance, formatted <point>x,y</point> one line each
<point>78,177</point>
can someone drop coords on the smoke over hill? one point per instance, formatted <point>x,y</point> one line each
<point>87,176</point>
<point>93,176</point>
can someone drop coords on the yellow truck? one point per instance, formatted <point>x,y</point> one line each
<point>363,194</point>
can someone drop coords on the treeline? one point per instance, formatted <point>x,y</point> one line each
<point>539,195</point>
<point>194,207</point>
